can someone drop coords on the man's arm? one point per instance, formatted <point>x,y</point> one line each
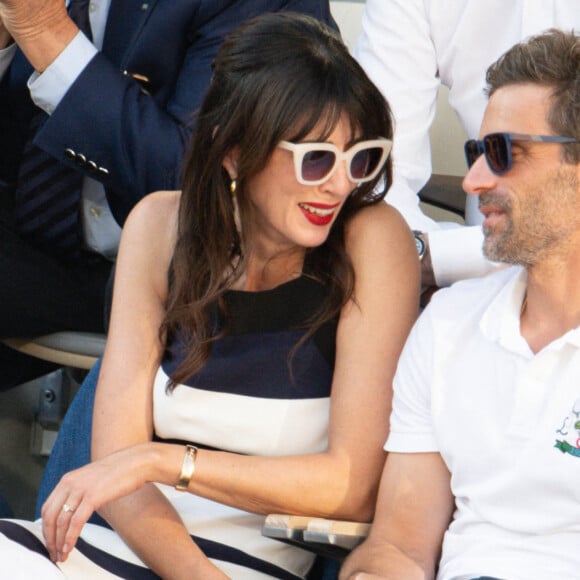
<point>414,509</point>
<point>396,51</point>
<point>457,253</point>
<point>129,137</point>
<point>131,111</point>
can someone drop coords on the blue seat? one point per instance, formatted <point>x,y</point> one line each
<point>72,448</point>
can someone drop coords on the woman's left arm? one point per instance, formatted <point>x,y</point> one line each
<point>342,481</point>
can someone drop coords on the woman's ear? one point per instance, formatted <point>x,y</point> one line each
<point>230,162</point>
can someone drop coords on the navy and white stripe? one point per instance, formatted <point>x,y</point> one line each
<point>247,400</point>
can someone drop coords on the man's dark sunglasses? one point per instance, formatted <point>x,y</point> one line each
<point>497,148</point>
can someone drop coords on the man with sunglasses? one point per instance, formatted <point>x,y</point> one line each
<point>409,48</point>
<point>482,476</point>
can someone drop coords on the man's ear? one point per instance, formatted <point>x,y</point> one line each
<point>230,162</point>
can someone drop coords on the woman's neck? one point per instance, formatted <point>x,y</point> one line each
<point>267,273</point>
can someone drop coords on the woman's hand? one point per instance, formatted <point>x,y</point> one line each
<point>126,474</point>
<point>82,491</point>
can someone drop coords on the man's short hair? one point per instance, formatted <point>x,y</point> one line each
<point>551,59</point>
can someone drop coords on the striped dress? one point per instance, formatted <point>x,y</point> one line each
<point>247,399</point>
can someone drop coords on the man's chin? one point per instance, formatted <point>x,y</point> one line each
<point>492,251</point>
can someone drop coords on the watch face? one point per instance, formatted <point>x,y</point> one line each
<point>420,244</point>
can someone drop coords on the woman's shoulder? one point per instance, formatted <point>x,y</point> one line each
<point>156,207</point>
<point>378,224</point>
<point>151,226</point>
<point>382,250</point>
<point>155,213</point>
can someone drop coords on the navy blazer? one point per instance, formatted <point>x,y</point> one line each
<point>128,117</point>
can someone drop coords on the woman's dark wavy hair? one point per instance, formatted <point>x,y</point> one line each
<point>279,76</point>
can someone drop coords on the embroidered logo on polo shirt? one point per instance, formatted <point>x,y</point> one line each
<point>570,432</point>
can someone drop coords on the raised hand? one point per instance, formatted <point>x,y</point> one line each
<point>42,28</point>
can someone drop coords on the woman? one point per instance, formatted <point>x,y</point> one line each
<point>257,318</point>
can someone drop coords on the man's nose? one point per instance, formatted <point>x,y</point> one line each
<point>479,178</point>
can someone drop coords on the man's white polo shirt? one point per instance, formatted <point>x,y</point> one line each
<point>507,424</point>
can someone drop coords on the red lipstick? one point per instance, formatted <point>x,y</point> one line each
<point>319,214</point>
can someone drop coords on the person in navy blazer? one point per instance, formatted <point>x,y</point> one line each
<point>124,122</point>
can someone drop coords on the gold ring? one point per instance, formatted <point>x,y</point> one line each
<point>67,508</point>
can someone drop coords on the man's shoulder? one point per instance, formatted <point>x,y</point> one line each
<point>473,294</point>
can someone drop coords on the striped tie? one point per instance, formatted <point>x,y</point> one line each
<point>48,193</point>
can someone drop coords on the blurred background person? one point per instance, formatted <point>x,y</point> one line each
<point>409,48</point>
<point>97,105</point>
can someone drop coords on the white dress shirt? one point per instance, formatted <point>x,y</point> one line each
<point>409,47</point>
<point>101,232</point>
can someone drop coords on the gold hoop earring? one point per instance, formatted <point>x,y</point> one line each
<point>237,219</point>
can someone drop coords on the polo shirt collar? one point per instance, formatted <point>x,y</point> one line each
<point>501,319</point>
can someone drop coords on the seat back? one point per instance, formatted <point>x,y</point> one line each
<point>69,349</point>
